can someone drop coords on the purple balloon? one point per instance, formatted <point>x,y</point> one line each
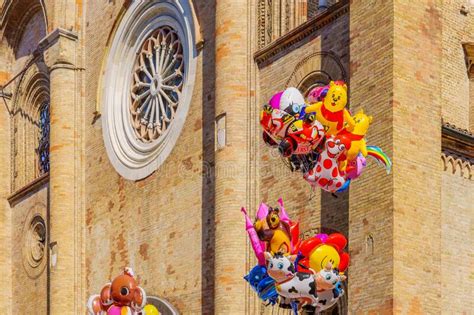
<point>323,237</point>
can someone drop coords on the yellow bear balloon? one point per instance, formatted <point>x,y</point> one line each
<point>332,112</point>
<point>354,140</point>
<point>150,310</point>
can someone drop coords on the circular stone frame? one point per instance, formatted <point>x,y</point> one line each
<point>132,158</point>
<point>34,242</point>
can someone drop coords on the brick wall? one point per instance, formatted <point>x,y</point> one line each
<point>371,196</point>
<point>29,294</point>
<point>153,225</point>
<point>457,198</point>
<point>416,155</point>
<point>457,29</point>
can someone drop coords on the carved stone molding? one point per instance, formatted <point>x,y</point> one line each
<point>469,56</point>
<point>29,189</point>
<point>457,165</point>
<point>34,241</point>
<point>58,47</point>
<point>457,141</point>
<point>326,67</point>
<point>266,55</point>
<point>457,150</point>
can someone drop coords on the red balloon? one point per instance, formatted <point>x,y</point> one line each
<point>344,262</point>
<point>338,240</point>
<point>307,246</point>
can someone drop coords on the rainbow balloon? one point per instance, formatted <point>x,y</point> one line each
<point>380,157</point>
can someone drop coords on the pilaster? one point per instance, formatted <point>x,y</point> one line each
<point>232,161</point>
<point>66,215</point>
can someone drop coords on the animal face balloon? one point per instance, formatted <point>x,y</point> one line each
<point>328,278</point>
<point>326,173</point>
<point>336,97</point>
<point>124,291</point>
<point>362,122</point>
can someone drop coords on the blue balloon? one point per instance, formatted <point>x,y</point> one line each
<point>262,284</point>
<point>345,186</point>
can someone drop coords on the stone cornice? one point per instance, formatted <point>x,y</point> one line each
<point>59,48</point>
<point>54,36</point>
<point>469,58</point>
<point>265,55</point>
<point>28,189</point>
<point>458,142</point>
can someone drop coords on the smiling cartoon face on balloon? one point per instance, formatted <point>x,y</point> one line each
<point>322,249</point>
<point>322,255</point>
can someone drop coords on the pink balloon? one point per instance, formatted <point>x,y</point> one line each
<point>356,167</point>
<point>257,245</point>
<point>114,310</point>
<point>275,100</point>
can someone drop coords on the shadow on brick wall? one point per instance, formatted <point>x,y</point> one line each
<point>208,167</point>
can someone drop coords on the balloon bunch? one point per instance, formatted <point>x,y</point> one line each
<point>319,137</point>
<point>298,274</point>
<point>122,296</point>
<point>273,232</point>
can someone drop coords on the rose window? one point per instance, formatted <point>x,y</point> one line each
<point>157,84</point>
<point>148,83</point>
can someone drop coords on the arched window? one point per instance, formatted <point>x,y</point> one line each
<point>43,139</point>
<point>31,123</point>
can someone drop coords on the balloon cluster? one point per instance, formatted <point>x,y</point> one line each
<point>297,274</point>
<point>319,136</point>
<point>122,296</point>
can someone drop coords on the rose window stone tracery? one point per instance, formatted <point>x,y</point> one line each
<point>157,84</point>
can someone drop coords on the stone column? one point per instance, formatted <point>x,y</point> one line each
<point>231,60</point>
<point>6,175</point>
<point>65,220</point>
<point>395,223</point>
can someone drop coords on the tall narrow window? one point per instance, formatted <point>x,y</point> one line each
<point>43,140</point>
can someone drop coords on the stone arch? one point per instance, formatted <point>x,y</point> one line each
<point>31,93</point>
<point>317,68</point>
<point>456,166</point>
<point>17,15</point>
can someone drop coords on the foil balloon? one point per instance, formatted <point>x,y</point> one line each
<point>121,295</point>
<point>319,251</point>
<point>94,305</point>
<point>285,100</point>
<point>331,112</point>
<point>326,173</point>
<point>274,231</point>
<point>328,282</point>
<point>114,310</point>
<point>317,94</point>
<point>318,136</point>
<point>377,153</point>
<point>290,284</point>
<point>150,310</point>
<point>257,245</point>
<point>354,139</point>
<point>355,167</point>
<point>262,284</point>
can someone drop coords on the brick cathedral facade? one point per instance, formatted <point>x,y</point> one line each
<point>68,229</point>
